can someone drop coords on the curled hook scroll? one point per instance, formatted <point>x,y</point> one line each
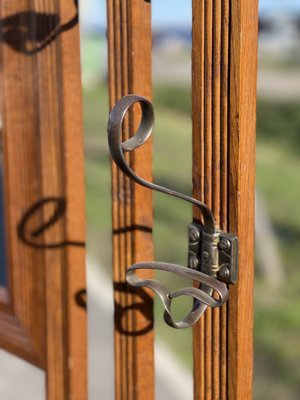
<point>202,296</point>
<point>117,148</point>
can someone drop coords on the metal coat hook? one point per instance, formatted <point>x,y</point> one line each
<point>212,252</point>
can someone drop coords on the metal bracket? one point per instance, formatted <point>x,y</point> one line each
<point>213,254</point>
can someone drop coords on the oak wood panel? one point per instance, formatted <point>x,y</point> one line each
<point>129,54</point>
<point>44,194</point>
<point>223,90</point>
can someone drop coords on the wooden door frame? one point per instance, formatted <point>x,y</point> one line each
<point>44,320</point>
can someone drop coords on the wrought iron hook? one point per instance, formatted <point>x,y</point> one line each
<point>212,258</point>
<point>202,297</point>
<point>117,148</point>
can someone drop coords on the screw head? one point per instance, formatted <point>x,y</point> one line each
<point>224,244</point>
<point>193,262</point>
<point>194,235</point>
<point>224,273</point>
<point>205,255</point>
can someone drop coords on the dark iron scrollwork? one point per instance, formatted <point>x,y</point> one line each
<point>216,265</point>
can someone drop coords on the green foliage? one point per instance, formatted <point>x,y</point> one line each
<point>176,98</point>
<point>277,320</point>
<point>280,123</point>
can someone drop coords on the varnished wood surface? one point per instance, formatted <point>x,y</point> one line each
<point>43,168</point>
<point>224,95</point>
<point>242,122</point>
<point>129,54</point>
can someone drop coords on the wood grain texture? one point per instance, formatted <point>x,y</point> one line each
<point>224,97</point>
<point>44,193</point>
<point>242,122</point>
<point>129,54</point>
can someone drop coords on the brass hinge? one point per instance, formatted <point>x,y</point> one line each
<point>214,254</point>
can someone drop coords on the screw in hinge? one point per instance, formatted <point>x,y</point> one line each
<point>205,255</point>
<point>193,262</point>
<point>224,273</point>
<point>194,235</point>
<point>224,244</point>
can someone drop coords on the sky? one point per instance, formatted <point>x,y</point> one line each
<point>269,6</point>
<point>164,12</point>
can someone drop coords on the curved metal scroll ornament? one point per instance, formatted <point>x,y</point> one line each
<point>204,295</point>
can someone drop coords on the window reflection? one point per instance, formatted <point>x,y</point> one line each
<point>3,266</point>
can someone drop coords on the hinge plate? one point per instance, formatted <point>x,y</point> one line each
<point>215,254</point>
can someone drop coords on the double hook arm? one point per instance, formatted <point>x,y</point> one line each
<point>203,296</point>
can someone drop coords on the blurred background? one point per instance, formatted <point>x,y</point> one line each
<point>277,283</point>
<point>277,294</point>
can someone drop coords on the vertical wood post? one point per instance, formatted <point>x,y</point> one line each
<point>224,103</point>
<point>242,122</point>
<point>44,180</point>
<point>69,281</point>
<point>129,52</point>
